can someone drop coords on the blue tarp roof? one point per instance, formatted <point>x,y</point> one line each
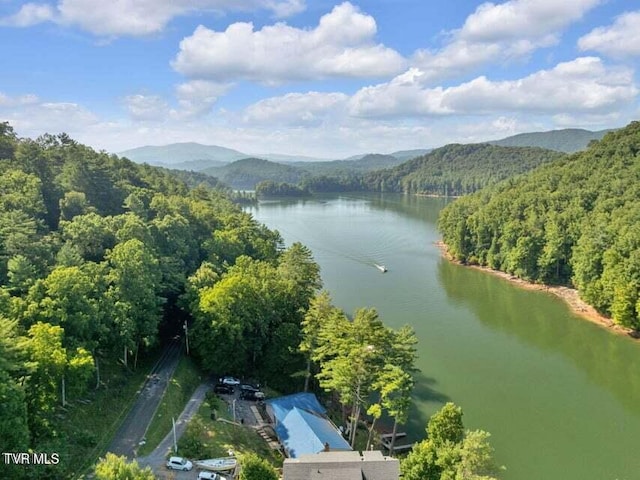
<point>303,432</point>
<point>281,406</point>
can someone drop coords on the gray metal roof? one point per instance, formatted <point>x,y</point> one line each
<point>342,466</point>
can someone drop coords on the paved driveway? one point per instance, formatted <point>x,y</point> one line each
<point>134,426</point>
<point>157,459</point>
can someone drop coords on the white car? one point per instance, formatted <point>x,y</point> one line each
<point>230,381</point>
<point>210,476</point>
<point>179,463</point>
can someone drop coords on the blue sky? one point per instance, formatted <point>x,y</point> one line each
<point>316,77</point>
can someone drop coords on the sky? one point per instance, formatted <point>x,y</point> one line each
<point>315,77</point>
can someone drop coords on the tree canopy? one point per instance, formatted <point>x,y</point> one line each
<point>449,452</point>
<point>574,221</point>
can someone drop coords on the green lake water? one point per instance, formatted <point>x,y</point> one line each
<point>560,395</point>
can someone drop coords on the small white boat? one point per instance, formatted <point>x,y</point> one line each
<point>382,268</point>
<point>218,464</point>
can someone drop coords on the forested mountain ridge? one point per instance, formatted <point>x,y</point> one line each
<point>573,221</point>
<point>568,140</point>
<point>457,169</point>
<point>97,256</point>
<point>246,173</point>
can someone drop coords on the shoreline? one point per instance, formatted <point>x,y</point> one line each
<point>568,295</point>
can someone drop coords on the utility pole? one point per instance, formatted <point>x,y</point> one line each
<point>186,334</point>
<point>175,443</point>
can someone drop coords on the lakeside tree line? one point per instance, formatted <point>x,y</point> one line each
<point>452,170</point>
<point>575,221</point>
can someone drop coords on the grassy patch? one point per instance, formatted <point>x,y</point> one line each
<point>185,380</point>
<point>207,438</point>
<point>88,423</point>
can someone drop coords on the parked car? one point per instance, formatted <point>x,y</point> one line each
<point>210,476</point>
<point>250,392</point>
<point>179,463</point>
<point>222,388</point>
<point>230,381</point>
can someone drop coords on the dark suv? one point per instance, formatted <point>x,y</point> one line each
<point>222,388</point>
<point>250,392</point>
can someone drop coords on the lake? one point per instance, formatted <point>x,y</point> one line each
<point>560,395</point>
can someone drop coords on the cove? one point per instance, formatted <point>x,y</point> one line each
<point>560,395</point>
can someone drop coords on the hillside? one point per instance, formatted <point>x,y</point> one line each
<point>404,155</point>
<point>103,261</point>
<point>96,255</point>
<point>246,173</point>
<point>179,153</point>
<point>568,140</point>
<point>574,221</point>
<point>457,169</point>
<point>358,164</point>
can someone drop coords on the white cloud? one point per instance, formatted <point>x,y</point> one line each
<point>147,108</point>
<point>500,33</point>
<point>32,117</point>
<point>582,85</point>
<point>622,39</point>
<point>517,19</point>
<point>30,14</point>
<point>137,17</point>
<point>197,97</point>
<point>296,109</point>
<point>342,45</point>
<point>402,96</point>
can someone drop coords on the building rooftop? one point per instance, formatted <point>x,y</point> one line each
<point>281,406</point>
<point>303,432</point>
<point>351,465</point>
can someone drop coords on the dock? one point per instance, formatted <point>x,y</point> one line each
<point>385,441</point>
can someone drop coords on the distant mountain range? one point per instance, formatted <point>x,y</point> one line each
<point>568,140</point>
<point>179,153</point>
<point>243,171</point>
<point>195,156</point>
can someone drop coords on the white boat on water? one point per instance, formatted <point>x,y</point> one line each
<point>223,464</point>
<point>382,268</point>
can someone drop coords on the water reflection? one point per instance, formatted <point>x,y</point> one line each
<point>609,360</point>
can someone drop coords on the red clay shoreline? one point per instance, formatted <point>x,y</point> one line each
<point>569,295</point>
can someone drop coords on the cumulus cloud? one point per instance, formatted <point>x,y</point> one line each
<point>517,19</point>
<point>582,85</point>
<point>147,108</point>
<point>341,45</point>
<point>622,39</point>
<point>136,17</point>
<point>197,97</point>
<point>32,116</point>
<point>500,33</point>
<point>296,109</point>
<point>30,14</point>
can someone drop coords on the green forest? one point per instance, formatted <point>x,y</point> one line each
<point>101,260</point>
<point>575,221</point>
<point>456,170</point>
<point>453,170</point>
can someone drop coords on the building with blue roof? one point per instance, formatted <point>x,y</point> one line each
<point>303,427</point>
